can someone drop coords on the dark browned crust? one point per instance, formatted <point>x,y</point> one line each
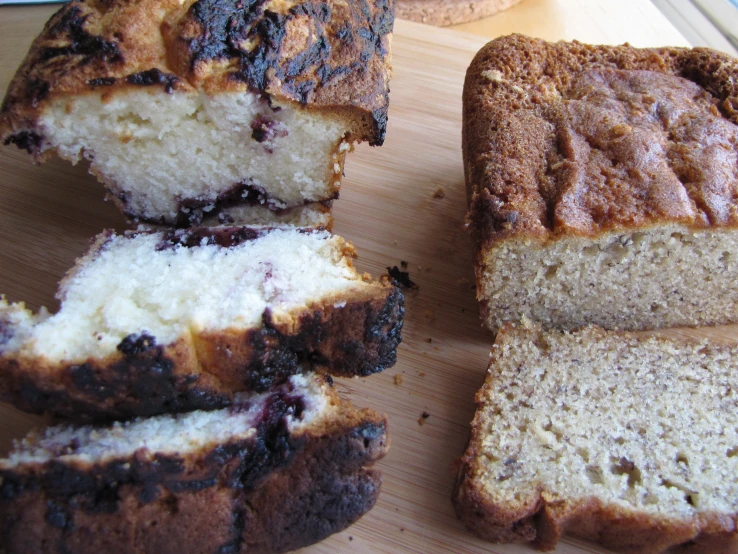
<point>450,12</point>
<point>204,371</point>
<point>96,46</point>
<point>523,176</point>
<point>273,493</point>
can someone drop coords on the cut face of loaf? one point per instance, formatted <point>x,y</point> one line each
<point>152,322</point>
<point>183,107</point>
<point>651,278</point>
<point>272,473</point>
<point>602,184</point>
<point>620,438</point>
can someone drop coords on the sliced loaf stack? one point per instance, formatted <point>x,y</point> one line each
<point>602,190</point>
<point>216,343</point>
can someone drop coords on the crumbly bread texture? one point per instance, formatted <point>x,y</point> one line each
<point>152,322</point>
<point>450,12</point>
<point>184,106</point>
<point>602,183</point>
<point>274,472</point>
<point>620,438</point>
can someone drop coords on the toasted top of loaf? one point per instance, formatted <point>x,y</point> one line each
<point>328,55</point>
<point>592,430</point>
<point>572,139</point>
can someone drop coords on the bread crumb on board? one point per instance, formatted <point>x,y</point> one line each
<point>439,193</point>
<point>398,379</point>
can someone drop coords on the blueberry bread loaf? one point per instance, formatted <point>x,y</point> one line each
<point>182,107</point>
<point>274,472</point>
<point>602,184</point>
<point>616,437</point>
<point>154,322</point>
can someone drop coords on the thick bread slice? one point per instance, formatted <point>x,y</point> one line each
<point>602,184</point>
<point>182,107</point>
<point>274,472</point>
<point>620,438</point>
<point>152,322</point>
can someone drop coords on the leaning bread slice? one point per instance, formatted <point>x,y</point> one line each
<point>272,473</point>
<point>602,184</point>
<point>177,320</point>
<point>620,438</point>
<point>183,106</point>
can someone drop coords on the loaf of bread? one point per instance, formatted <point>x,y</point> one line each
<point>616,437</point>
<point>602,184</point>
<point>184,106</point>
<point>168,321</point>
<point>274,472</point>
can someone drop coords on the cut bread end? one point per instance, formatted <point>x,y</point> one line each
<point>168,156</point>
<point>643,279</point>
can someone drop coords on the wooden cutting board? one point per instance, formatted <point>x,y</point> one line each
<point>402,202</point>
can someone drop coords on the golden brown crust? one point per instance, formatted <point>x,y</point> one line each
<point>330,56</point>
<point>572,139</point>
<point>277,491</point>
<point>450,12</point>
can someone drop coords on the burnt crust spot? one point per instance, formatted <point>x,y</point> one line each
<point>153,77</point>
<point>69,25</point>
<point>402,278</point>
<point>26,140</point>
<point>101,82</point>
<point>136,344</point>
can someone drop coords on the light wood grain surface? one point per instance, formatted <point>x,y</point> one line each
<point>387,208</point>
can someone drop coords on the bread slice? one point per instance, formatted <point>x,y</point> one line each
<point>272,473</point>
<point>188,105</point>
<point>602,184</point>
<point>616,437</point>
<point>153,322</point>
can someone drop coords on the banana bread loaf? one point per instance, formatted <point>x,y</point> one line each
<point>620,438</point>
<point>184,106</point>
<point>274,472</point>
<point>154,322</point>
<point>602,184</point>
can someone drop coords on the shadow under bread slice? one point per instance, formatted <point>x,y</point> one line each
<point>180,106</point>
<point>168,321</point>
<point>621,438</point>
<point>273,472</point>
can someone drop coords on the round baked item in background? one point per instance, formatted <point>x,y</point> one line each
<point>450,12</point>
